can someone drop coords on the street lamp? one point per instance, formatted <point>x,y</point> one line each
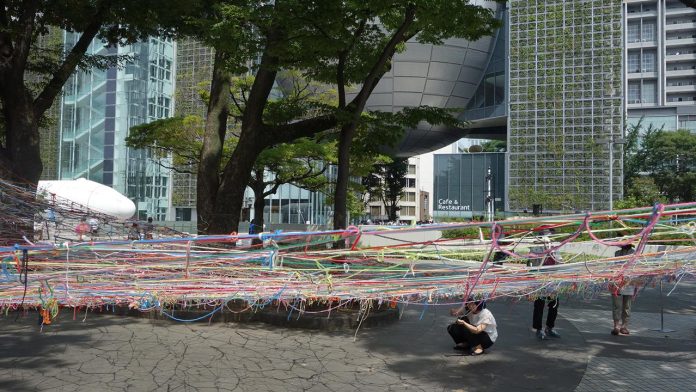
<point>611,141</point>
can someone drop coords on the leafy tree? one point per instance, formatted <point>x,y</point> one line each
<point>23,24</point>
<point>392,187</point>
<point>302,163</point>
<point>494,146</point>
<point>346,44</point>
<point>642,192</point>
<point>669,158</point>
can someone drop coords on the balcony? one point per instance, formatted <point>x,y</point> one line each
<point>683,10</point>
<point>642,75</point>
<point>639,103</point>
<point>680,57</point>
<point>641,44</point>
<point>681,72</point>
<point>687,88</point>
<point>641,14</point>
<point>679,41</point>
<point>680,26</point>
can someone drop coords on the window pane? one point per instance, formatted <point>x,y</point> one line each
<point>648,92</point>
<point>633,92</point>
<point>633,62</point>
<point>633,32</point>
<point>649,61</point>
<point>648,31</point>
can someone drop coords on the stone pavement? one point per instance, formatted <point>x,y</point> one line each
<point>108,353</point>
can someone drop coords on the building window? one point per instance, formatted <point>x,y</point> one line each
<point>649,92</point>
<point>633,32</point>
<point>649,60</point>
<point>375,211</point>
<point>409,182</point>
<point>633,62</point>
<point>633,92</point>
<point>408,211</point>
<point>412,169</point>
<point>648,31</point>
<point>410,196</point>
<point>183,214</point>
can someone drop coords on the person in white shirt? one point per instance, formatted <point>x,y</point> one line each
<point>622,298</point>
<point>477,330</point>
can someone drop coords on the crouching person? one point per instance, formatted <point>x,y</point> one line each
<point>476,330</point>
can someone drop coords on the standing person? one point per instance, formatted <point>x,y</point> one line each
<point>134,232</point>
<point>476,330</point>
<point>148,229</point>
<point>539,303</point>
<point>81,229</point>
<point>622,299</point>
<point>93,225</point>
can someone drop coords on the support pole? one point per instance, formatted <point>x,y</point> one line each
<point>662,315</point>
<point>490,211</point>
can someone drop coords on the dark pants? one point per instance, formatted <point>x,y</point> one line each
<point>460,334</point>
<point>539,312</point>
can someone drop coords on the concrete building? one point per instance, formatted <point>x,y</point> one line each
<point>98,109</point>
<point>660,52</point>
<point>411,203</point>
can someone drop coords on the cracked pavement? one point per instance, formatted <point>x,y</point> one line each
<point>111,353</point>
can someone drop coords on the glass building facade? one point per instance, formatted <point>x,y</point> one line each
<point>566,96</point>
<point>194,69</point>
<point>460,186</point>
<point>98,109</point>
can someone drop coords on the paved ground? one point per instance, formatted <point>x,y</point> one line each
<point>106,353</point>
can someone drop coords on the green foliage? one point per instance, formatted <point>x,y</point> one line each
<point>179,137</point>
<point>386,183</point>
<point>642,192</point>
<point>494,146</point>
<point>659,165</point>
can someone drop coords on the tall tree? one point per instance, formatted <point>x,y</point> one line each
<point>302,163</point>
<point>349,43</point>
<point>22,24</point>
<point>388,183</point>
<point>669,158</point>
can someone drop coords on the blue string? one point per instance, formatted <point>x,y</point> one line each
<point>171,316</point>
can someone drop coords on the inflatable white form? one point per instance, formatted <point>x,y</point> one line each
<point>95,196</point>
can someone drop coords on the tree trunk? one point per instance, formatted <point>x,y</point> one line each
<point>259,205</point>
<point>341,191</point>
<point>208,177</point>
<point>230,196</point>
<point>259,188</point>
<point>21,159</point>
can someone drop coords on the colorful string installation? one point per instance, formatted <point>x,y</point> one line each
<point>301,268</point>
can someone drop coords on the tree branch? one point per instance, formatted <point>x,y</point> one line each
<point>55,85</point>
<point>23,46</point>
<point>358,103</point>
<point>262,86</point>
<point>304,128</point>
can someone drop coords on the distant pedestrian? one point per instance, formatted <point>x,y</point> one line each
<point>93,225</point>
<point>148,229</point>
<point>81,229</point>
<point>622,299</point>
<point>539,303</point>
<point>134,232</point>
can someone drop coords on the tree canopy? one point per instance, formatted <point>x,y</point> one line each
<point>347,44</point>
<point>660,165</point>
<point>23,62</point>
